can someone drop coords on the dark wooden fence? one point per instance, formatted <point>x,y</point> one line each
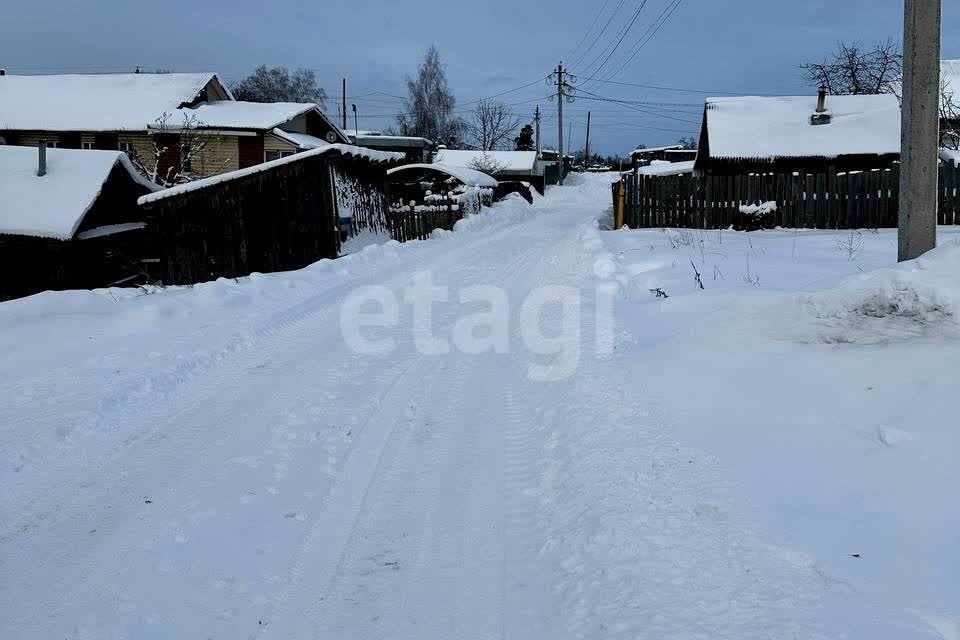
<point>831,200</point>
<point>414,221</point>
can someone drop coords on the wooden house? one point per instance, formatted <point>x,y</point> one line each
<point>277,216</point>
<point>69,220</point>
<point>643,156</point>
<point>803,134</point>
<point>141,113</point>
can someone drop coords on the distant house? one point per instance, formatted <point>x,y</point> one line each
<point>414,148</point>
<point>644,156</point>
<point>416,182</point>
<point>504,166</point>
<point>140,112</point>
<point>77,226</point>
<point>680,155</point>
<point>280,215</point>
<point>799,133</point>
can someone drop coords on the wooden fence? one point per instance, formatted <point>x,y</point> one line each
<point>417,221</point>
<point>854,200</point>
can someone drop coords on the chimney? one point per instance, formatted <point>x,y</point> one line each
<point>3,71</point>
<point>42,163</point>
<point>821,115</point>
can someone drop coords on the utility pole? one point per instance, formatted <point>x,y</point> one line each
<point>536,120</point>
<point>344,105</point>
<point>586,147</point>
<point>920,128</point>
<point>564,92</point>
<point>356,122</point>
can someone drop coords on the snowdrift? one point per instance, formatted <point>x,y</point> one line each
<point>914,299</point>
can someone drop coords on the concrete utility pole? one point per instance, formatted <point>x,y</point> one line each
<point>920,128</point>
<point>586,147</point>
<point>564,92</point>
<point>560,122</point>
<point>344,105</point>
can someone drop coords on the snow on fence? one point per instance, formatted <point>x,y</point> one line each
<point>831,200</point>
<point>413,221</point>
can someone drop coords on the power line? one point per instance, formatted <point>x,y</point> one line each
<point>616,46</point>
<point>656,26</point>
<point>596,19</point>
<point>599,35</point>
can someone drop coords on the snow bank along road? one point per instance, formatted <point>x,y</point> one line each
<point>216,462</point>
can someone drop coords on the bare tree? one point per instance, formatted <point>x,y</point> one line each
<point>487,164</point>
<point>853,69</point>
<point>949,117</point>
<point>179,168</point>
<point>428,108</point>
<point>492,125</point>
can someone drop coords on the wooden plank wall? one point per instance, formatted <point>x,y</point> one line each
<point>830,200</point>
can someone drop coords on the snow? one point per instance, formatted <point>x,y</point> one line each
<point>302,140</point>
<point>54,205</point>
<point>469,177</point>
<point>230,114</point>
<point>779,127</point>
<point>110,229</point>
<point>772,456</point>
<point>950,155</point>
<point>344,149</point>
<point>94,102</point>
<point>642,150</point>
<point>510,161</point>
<point>667,168</point>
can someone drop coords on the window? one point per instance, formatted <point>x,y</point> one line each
<point>86,145</point>
<point>276,155</point>
<point>52,144</point>
<point>126,147</point>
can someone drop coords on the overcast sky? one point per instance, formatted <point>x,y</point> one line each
<point>713,46</point>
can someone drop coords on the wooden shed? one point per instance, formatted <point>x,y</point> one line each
<point>76,226</point>
<point>277,216</point>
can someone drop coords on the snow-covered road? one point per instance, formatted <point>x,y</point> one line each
<point>216,462</point>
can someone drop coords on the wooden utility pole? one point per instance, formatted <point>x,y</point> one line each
<point>344,105</point>
<point>586,147</point>
<point>536,120</point>
<point>920,128</point>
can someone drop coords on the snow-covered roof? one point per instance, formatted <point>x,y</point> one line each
<point>469,177</point>
<point>230,114</point>
<point>779,127</point>
<point>516,161</point>
<point>96,102</point>
<point>673,147</point>
<point>343,149</point>
<point>301,140</point>
<point>389,141</point>
<point>950,155</point>
<point>667,168</point>
<point>54,205</point>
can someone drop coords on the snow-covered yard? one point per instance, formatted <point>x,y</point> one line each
<point>770,455</point>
